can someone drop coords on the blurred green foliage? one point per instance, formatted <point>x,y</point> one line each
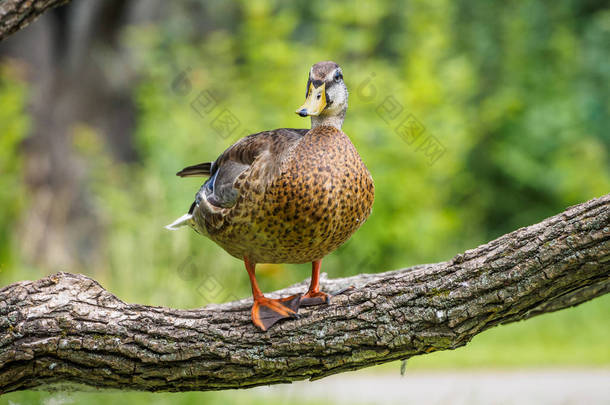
<point>14,125</point>
<point>516,93</point>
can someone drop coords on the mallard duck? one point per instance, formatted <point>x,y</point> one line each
<point>286,195</point>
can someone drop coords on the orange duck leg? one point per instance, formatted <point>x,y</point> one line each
<point>314,296</point>
<point>266,311</point>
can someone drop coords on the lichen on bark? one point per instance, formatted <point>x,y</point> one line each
<point>67,329</point>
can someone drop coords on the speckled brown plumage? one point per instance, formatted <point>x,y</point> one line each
<point>286,196</point>
<point>302,197</point>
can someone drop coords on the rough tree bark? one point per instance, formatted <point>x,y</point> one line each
<point>67,331</point>
<point>17,14</point>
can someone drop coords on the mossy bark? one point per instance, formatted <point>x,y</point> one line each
<point>67,331</point>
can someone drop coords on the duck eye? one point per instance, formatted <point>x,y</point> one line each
<point>338,76</point>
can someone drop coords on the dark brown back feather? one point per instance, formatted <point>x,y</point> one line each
<point>199,170</point>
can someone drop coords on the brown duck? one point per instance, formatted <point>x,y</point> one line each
<point>286,195</point>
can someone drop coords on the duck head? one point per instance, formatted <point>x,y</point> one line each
<point>325,96</point>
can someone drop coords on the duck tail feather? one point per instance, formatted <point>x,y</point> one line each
<point>180,222</point>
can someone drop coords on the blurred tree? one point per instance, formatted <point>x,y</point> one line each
<point>80,75</point>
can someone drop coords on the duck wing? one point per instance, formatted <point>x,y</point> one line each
<point>219,189</point>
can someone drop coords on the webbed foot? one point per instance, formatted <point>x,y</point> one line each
<point>266,311</point>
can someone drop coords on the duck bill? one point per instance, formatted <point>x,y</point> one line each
<point>315,102</point>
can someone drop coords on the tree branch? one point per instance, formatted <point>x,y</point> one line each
<point>17,14</point>
<point>66,329</point>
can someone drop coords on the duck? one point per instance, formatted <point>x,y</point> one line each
<point>286,195</point>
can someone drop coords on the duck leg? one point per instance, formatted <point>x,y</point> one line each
<point>267,311</point>
<point>314,296</point>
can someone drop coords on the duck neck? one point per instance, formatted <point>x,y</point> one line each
<point>328,120</point>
